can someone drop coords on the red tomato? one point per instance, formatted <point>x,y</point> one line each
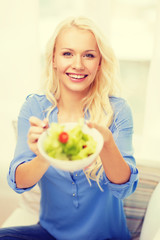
<point>63,137</point>
<point>84,146</point>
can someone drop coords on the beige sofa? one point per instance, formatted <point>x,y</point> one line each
<point>142,207</point>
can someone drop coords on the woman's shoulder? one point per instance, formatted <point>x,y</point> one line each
<point>120,106</point>
<point>34,105</point>
<point>38,99</point>
<point>37,96</point>
<point>117,102</point>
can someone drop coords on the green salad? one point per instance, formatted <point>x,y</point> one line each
<point>68,144</point>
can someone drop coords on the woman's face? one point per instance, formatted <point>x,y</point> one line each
<point>76,59</point>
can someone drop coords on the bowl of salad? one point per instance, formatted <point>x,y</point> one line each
<point>70,146</point>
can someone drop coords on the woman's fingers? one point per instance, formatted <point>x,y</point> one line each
<point>34,133</point>
<point>37,127</point>
<point>46,123</point>
<point>94,125</point>
<point>34,129</point>
<point>34,121</point>
<point>106,133</point>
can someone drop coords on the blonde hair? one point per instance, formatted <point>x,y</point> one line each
<point>106,82</point>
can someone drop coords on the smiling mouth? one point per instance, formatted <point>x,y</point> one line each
<point>77,76</point>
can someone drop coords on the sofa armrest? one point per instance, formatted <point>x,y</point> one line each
<point>151,224</point>
<point>135,205</point>
<point>157,236</point>
<point>20,217</point>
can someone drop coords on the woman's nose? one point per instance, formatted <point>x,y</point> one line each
<point>78,63</point>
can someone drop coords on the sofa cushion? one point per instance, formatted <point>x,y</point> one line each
<point>135,205</point>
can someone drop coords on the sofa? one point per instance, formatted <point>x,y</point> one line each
<point>142,208</point>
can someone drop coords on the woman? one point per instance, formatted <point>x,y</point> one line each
<point>81,82</point>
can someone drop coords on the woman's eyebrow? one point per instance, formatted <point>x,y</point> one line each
<point>89,50</point>
<point>67,49</point>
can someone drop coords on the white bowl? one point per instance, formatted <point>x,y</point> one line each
<point>69,165</point>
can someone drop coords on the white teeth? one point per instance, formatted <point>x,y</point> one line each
<point>76,76</point>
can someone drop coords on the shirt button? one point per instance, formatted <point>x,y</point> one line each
<point>74,194</point>
<point>76,175</point>
<point>72,182</point>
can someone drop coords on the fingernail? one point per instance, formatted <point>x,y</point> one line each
<point>43,125</point>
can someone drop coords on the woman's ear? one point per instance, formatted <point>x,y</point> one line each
<point>53,59</point>
<point>99,64</point>
<point>54,64</point>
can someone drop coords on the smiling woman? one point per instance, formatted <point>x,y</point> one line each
<point>79,51</point>
<point>76,60</point>
<point>81,82</point>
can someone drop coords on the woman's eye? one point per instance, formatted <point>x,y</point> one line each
<point>89,55</point>
<point>67,54</point>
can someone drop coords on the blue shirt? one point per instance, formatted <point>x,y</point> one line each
<point>71,209</point>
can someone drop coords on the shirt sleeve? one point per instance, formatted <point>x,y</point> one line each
<point>122,130</point>
<point>22,152</point>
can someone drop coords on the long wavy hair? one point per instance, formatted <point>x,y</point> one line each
<point>105,84</point>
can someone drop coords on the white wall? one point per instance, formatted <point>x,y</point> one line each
<point>152,113</point>
<point>19,71</point>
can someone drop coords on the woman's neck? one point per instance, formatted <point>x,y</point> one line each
<point>70,109</point>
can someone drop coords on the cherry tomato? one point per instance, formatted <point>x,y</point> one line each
<point>84,146</point>
<point>63,137</point>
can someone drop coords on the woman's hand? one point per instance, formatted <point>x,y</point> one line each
<point>36,129</point>
<point>106,133</point>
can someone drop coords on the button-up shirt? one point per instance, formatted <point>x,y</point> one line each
<point>70,207</point>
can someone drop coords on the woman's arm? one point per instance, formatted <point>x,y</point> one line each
<point>115,167</point>
<point>29,173</point>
